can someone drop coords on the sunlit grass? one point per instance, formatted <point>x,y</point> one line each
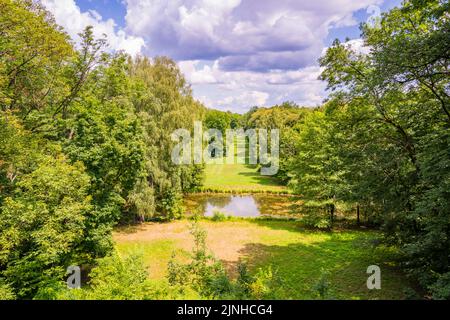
<point>239,177</point>
<point>299,256</point>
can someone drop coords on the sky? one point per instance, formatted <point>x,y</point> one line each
<point>236,54</point>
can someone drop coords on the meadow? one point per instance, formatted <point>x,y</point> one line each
<point>305,261</point>
<point>239,178</point>
<point>302,259</point>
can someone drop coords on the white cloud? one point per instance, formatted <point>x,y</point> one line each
<point>250,98</point>
<point>242,34</point>
<point>358,46</point>
<point>205,75</point>
<point>235,53</point>
<point>238,91</point>
<point>68,15</point>
<point>241,53</point>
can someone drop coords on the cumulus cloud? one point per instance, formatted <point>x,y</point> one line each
<point>358,46</point>
<point>235,53</point>
<point>238,91</point>
<point>241,34</point>
<point>68,15</point>
<point>198,75</point>
<point>250,98</point>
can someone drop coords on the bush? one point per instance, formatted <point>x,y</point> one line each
<point>441,288</point>
<point>207,276</point>
<point>313,219</point>
<point>203,273</point>
<point>322,287</point>
<point>219,216</point>
<point>119,278</point>
<point>6,292</point>
<point>266,285</point>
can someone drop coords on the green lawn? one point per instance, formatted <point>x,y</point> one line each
<point>300,257</point>
<point>239,177</point>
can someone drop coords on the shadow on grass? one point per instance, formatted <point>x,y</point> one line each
<point>260,179</point>
<point>137,226</point>
<point>341,261</point>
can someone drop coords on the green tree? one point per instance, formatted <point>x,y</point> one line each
<point>163,101</point>
<point>43,218</point>
<point>316,169</point>
<point>392,105</point>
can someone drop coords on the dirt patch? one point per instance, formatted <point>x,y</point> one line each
<point>226,240</point>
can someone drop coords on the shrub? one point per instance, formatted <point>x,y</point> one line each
<point>203,273</point>
<point>219,216</point>
<point>6,292</point>
<point>322,286</point>
<point>207,276</point>
<point>266,285</point>
<point>118,278</point>
<point>314,220</point>
<point>441,288</point>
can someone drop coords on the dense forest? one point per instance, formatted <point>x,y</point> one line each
<point>85,145</point>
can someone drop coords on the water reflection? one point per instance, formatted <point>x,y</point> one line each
<point>241,205</point>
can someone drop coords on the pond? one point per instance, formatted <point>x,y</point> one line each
<point>241,205</point>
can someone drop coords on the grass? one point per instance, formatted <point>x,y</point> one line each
<point>239,177</point>
<point>300,257</point>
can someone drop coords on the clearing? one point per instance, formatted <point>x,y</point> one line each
<point>300,257</point>
<point>239,177</point>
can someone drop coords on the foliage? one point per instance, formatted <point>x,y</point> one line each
<point>85,141</point>
<point>207,276</point>
<point>203,272</point>
<point>381,142</point>
<point>316,174</point>
<point>116,278</point>
<point>441,288</point>
<point>287,118</point>
<point>163,101</point>
<point>218,120</point>
<point>323,286</point>
<point>316,218</point>
<point>33,51</point>
<point>6,292</point>
<point>43,219</point>
<point>219,216</point>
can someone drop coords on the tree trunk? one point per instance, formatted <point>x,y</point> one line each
<point>332,214</point>
<point>358,221</point>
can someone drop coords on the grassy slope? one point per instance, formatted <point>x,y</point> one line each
<point>300,256</point>
<point>239,177</point>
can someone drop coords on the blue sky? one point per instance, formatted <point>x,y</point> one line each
<point>235,53</point>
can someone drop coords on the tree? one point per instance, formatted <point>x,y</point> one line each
<point>287,118</point>
<point>316,169</point>
<point>33,51</point>
<point>392,108</point>
<point>43,217</point>
<point>163,101</point>
<point>218,120</point>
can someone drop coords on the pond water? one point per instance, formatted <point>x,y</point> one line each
<point>241,205</point>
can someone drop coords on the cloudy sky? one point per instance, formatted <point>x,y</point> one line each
<point>235,53</point>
